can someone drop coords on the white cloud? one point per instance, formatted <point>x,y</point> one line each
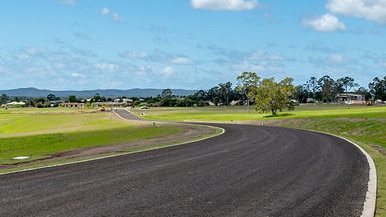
<point>114,16</point>
<point>335,63</point>
<point>106,67</point>
<point>77,75</point>
<point>181,60</point>
<point>134,55</point>
<point>29,53</point>
<point>374,10</point>
<point>167,71</point>
<point>263,56</point>
<point>23,56</point>
<point>325,23</point>
<point>105,11</point>
<point>337,58</point>
<point>231,5</point>
<point>144,70</point>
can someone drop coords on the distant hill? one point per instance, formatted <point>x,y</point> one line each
<point>34,92</point>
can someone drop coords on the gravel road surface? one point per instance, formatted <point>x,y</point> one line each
<point>247,171</point>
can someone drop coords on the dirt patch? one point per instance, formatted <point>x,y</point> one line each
<point>276,122</point>
<point>380,149</point>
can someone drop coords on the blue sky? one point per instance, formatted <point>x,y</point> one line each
<point>189,44</point>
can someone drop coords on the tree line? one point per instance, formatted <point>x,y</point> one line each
<point>253,90</point>
<point>268,95</point>
<point>264,94</point>
<point>326,88</point>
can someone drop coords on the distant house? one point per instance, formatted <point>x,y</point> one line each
<point>55,103</point>
<point>310,100</point>
<point>111,104</point>
<point>350,99</point>
<point>235,102</point>
<point>14,104</point>
<point>127,100</point>
<point>72,104</point>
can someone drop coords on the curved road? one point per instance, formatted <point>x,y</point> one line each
<point>247,171</point>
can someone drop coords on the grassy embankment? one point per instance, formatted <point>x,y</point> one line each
<point>39,133</point>
<point>366,126</point>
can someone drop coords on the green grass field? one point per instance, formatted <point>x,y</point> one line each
<point>36,132</point>
<point>40,133</point>
<point>227,114</point>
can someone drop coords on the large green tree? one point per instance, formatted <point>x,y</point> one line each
<point>273,96</point>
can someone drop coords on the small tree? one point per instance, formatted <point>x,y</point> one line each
<point>273,96</point>
<point>3,98</point>
<point>72,98</point>
<point>166,98</point>
<point>97,98</point>
<point>329,88</point>
<point>51,97</point>
<point>225,91</point>
<point>378,88</point>
<point>312,87</point>
<point>347,83</point>
<point>249,82</point>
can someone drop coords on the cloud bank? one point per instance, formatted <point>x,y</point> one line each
<point>374,10</point>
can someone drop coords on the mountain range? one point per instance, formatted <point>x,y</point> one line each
<point>137,92</point>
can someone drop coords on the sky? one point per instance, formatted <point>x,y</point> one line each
<point>187,44</point>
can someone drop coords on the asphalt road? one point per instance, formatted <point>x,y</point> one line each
<point>247,171</point>
<point>123,113</point>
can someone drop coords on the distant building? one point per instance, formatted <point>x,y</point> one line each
<point>16,103</point>
<point>72,104</point>
<point>350,99</point>
<point>111,104</point>
<point>13,104</point>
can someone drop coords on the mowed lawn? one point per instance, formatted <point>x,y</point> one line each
<point>364,125</point>
<point>39,133</point>
<point>23,122</point>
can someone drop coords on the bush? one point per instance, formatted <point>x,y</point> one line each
<point>39,105</point>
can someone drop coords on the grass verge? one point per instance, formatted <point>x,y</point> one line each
<point>30,121</point>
